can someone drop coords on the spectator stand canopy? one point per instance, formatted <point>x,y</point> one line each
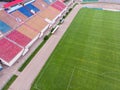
<point>9,52</point>
<point>14,5</point>
<point>10,4</point>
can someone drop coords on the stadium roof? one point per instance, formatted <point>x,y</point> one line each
<point>7,5</point>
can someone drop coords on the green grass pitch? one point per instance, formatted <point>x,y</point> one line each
<point>88,55</point>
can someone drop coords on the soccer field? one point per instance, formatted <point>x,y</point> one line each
<point>88,55</point>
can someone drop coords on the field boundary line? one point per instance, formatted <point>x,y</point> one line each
<point>70,78</point>
<point>36,86</point>
<point>98,74</point>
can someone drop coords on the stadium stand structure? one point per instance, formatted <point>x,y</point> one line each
<point>42,5</point>
<point>19,38</point>
<point>6,18</point>
<point>22,31</point>
<point>4,27</point>
<point>49,1</point>
<point>28,10</point>
<point>19,17</point>
<point>16,4</point>
<point>58,5</point>
<point>9,51</point>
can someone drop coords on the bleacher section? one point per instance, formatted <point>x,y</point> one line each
<point>42,5</point>
<point>53,12</point>
<point>27,31</point>
<point>19,38</point>
<point>58,5</point>
<point>16,4</point>
<point>39,23</point>
<point>49,1</point>
<point>19,15</point>
<point>20,30</point>
<point>8,51</point>
<point>8,19</point>
<point>4,27</point>
<point>26,10</point>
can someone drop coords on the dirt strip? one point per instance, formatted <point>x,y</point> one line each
<point>25,79</point>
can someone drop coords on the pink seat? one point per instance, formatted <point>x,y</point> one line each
<point>58,5</point>
<point>19,38</point>
<point>8,50</point>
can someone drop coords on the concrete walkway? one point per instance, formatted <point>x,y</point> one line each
<point>25,78</point>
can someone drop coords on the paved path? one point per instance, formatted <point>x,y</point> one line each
<point>103,5</point>
<point>25,79</point>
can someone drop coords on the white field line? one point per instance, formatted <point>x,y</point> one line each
<point>42,74</point>
<point>71,78</point>
<point>104,66</point>
<point>99,74</point>
<point>48,63</point>
<point>37,87</point>
<point>116,52</point>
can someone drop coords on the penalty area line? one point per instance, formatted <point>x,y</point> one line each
<point>71,78</point>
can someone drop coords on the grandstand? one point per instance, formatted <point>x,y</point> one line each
<point>49,1</point>
<point>52,13</point>
<point>26,10</point>
<point>9,51</point>
<point>42,5</point>
<point>22,23</point>
<point>18,38</point>
<point>39,23</point>
<point>6,18</point>
<point>4,27</point>
<point>19,15</point>
<point>58,5</point>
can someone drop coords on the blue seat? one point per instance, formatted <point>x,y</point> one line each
<point>30,6</point>
<point>4,27</point>
<point>25,11</point>
<point>49,1</point>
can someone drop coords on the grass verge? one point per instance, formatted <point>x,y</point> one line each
<point>33,54</point>
<point>7,85</point>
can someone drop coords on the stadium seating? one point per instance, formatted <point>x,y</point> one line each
<point>49,1</point>
<point>26,10</point>
<point>27,31</point>
<point>19,38</point>
<point>30,6</point>
<point>41,5</point>
<point>4,27</point>
<point>39,23</point>
<point>8,50</point>
<point>52,13</point>
<point>20,31</point>
<point>8,19</point>
<point>58,5</point>
<point>19,15</point>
